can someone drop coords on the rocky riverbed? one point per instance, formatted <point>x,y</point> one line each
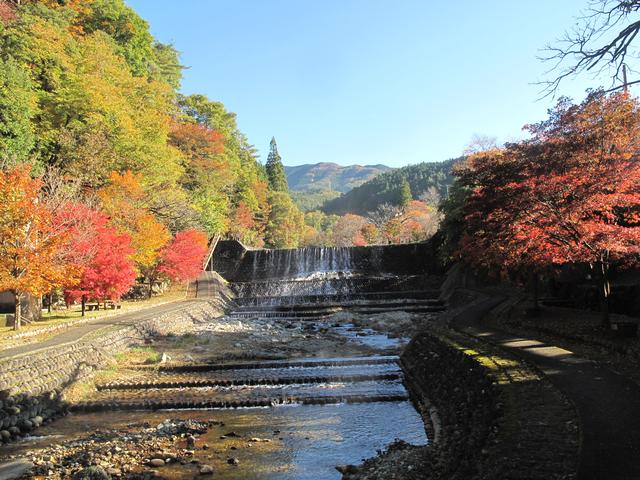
<point>134,452</point>
<point>235,443</point>
<point>260,339</point>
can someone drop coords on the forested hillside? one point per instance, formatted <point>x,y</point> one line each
<point>330,176</point>
<point>313,184</point>
<point>87,91</point>
<point>313,199</point>
<point>424,180</point>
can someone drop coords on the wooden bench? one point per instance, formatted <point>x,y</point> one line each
<point>112,305</point>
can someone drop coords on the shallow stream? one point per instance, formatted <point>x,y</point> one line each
<point>312,439</point>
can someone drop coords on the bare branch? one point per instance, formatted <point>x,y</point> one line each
<point>601,43</point>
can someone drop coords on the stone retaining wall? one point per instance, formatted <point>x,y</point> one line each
<point>492,416</point>
<point>31,385</point>
<point>457,387</point>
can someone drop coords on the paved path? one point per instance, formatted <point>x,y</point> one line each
<point>208,289</point>
<point>15,469</point>
<point>608,403</point>
<point>75,332</point>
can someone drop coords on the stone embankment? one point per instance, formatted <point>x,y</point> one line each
<point>490,415</point>
<point>31,385</point>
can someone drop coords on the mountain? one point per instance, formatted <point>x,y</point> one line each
<point>385,188</point>
<point>330,177</point>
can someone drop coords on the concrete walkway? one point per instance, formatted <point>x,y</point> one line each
<point>76,332</point>
<point>208,290</point>
<point>608,403</point>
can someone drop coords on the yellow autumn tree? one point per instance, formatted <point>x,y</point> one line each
<point>123,199</point>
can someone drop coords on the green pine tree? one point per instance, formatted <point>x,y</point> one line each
<point>404,196</point>
<point>275,169</point>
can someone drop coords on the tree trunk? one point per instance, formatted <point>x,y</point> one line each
<point>50,302</point>
<point>535,288</point>
<point>605,292</point>
<point>17,323</point>
<point>150,287</point>
<point>84,304</point>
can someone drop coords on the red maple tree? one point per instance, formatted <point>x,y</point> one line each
<point>80,222</point>
<point>110,272</point>
<point>181,260</point>
<point>570,194</point>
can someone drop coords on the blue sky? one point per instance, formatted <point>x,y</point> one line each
<point>368,81</point>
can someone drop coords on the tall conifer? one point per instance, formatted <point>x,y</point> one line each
<point>275,169</point>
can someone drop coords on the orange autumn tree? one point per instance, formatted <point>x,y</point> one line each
<point>242,224</point>
<point>124,202</point>
<point>569,195</point>
<point>370,233</point>
<point>418,222</point>
<point>347,231</point>
<point>28,240</point>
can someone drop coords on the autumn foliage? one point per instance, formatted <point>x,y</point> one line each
<point>6,12</point>
<point>414,222</point>
<point>124,201</point>
<point>569,194</point>
<point>110,273</point>
<point>88,252</point>
<point>102,257</point>
<point>28,239</point>
<point>182,258</point>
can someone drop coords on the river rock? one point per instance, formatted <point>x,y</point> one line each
<point>26,426</point>
<point>233,461</point>
<point>91,473</point>
<point>156,462</point>
<point>206,470</point>
<point>344,469</point>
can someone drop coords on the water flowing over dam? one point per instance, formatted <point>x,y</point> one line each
<point>303,262</point>
<point>236,263</point>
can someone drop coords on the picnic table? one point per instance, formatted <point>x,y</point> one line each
<point>107,304</point>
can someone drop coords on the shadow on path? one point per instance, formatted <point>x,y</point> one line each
<point>608,403</point>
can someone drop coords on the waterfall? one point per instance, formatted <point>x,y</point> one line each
<point>302,263</point>
<point>329,271</point>
<point>307,271</point>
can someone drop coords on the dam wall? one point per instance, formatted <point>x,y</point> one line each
<point>237,263</point>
